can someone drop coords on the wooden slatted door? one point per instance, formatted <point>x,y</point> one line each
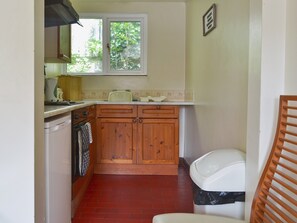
<point>276,196</point>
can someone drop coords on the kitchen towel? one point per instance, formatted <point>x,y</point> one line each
<point>84,153</point>
<point>90,131</point>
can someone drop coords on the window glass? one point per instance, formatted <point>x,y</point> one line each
<point>109,44</point>
<point>125,46</point>
<point>86,55</point>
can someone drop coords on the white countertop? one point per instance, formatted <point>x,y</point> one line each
<point>53,110</point>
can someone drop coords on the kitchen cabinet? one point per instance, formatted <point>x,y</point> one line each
<point>57,41</point>
<point>137,139</point>
<point>116,128</point>
<point>158,136</point>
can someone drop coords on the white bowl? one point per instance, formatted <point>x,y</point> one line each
<point>157,99</point>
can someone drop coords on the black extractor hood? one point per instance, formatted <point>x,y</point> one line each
<point>59,12</point>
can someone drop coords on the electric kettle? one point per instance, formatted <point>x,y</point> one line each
<point>51,89</point>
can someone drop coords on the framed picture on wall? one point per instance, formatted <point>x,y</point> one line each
<point>209,20</point>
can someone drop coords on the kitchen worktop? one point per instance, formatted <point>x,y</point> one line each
<point>53,110</point>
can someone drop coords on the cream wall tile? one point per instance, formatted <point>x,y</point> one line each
<point>175,95</point>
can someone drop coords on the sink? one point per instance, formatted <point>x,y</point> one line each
<point>120,96</point>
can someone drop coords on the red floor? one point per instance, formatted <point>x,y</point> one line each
<point>134,199</point>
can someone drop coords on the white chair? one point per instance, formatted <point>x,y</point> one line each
<point>275,198</point>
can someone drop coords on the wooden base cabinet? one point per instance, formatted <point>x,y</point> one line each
<point>134,139</point>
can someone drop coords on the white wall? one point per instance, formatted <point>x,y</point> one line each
<point>244,57</point>
<point>291,48</point>
<point>39,111</point>
<point>266,83</point>
<point>217,72</point>
<point>17,98</point>
<point>253,108</point>
<point>166,46</point>
<point>272,70</point>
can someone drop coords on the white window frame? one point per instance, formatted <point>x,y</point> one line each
<point>106,18</point>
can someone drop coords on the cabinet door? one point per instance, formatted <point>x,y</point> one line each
<point>158,141</point>
<point>57,42</point>
<point>64,43</point>
<point>116,140</point>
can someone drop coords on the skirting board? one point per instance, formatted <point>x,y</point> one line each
<point>136,169</point>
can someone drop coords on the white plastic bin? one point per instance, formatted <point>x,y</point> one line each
<point>219,173</point>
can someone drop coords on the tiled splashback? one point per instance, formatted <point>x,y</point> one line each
<point>175,95</point>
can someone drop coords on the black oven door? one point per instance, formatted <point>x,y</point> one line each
<point>75,153</point>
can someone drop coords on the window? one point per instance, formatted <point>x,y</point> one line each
<point>109,45</point>
<point>86,47</point>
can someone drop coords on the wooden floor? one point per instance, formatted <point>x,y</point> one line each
<point>134,199</point>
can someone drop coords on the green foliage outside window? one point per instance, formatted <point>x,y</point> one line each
<point>125,47</point>
<point>86,50</point>
<point>87,47</point>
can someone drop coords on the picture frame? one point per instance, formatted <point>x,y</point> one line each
<point>209,20</point>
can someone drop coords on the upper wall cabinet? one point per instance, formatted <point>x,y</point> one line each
<point>57,44</point>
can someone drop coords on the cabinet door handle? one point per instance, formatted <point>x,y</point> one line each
<point>64,57</point>
<point>140,120</point>
<point>135,120</point>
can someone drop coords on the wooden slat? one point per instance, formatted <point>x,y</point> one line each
<point>282,204</point>
<point>267,211</point>
<point>289,123</point>
<point>258,221</point>
<point>290,107</point>
<point>288,187</point>
<point>275,209</point>
<point>288,141</point>
<point>273,201</point>
<point>292,180</point>
<point>285,166</point>
<point>288,132</point>
<point>261,218</point>
<point>289,116</point>
<point>287,149</point>
<point>286,158</point>
<point>283,194</point>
